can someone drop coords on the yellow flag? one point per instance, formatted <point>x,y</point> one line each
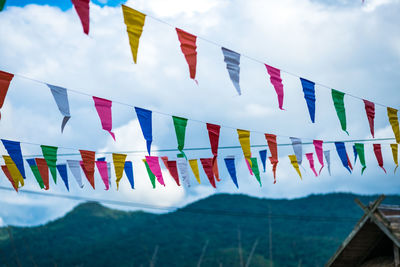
<point>244,139</point>
<point>395,155</point>
<point>195,168</point>
<point>14,172</point>
<point>134,21</point>
<point>394,121</point>
<point>119,164</point>
<point>295,164</point>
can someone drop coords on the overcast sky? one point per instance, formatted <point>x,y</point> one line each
<point>348,46</point>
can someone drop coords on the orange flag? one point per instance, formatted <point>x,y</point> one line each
<point>273,148</point>
<point>87,164</point>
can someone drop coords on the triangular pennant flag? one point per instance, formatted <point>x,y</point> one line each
<point>35,171</point>
<point>60,95</point>
<point>378,155</point>
<point>102,168</point>
<point>145,120</point>
<point>173,170</point>
<point>195,169</point>
<point>151,175</point>
<point>43,171</point>
<point>327,155</point>
<point>62,170</point>
<point>341,150</point>
<point>355,154</point>
<point>75,168</point>
<point>256,171</point>
<point>14,172</point>
<point>275,77</point>
<point>129,173</point>
<point>82,8</point>
<point>248,162</point>
<point>207,166</point>
<point>101,159</point>
<point>319,152</point>
<point>182,165</point>
<point>359,147</point>
<point>180,130</point>
<point>349,162</point>
<point>103,107</point>
<point>119,164</point>
<point>154,165</point>
<point>310,158</point>
<point>188,47</point>
<point>134,21</point>
<point>273,148</point>
<point>297,149</point>
<point>395,150</point>
<point>244,139</point>
<point>394,122</point>
<point>8,175</point>
<point>165,161</point>
<point>50,155</point>
<point>87,164</point>
<point>14,150</point>
<point>232,60</point>
<point>2,4</point>
<point>263,157</point>
<point>370,110</point>
<point>213,134</point>
<point>109,173</point>
<point>5,80</point>
<point>295,164</point>
<point>309,95</point>
<point>230,165</point>
<point>338,102</point>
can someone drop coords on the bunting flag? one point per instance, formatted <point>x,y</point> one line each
<point>378,155</point>
<point>213,134</point>
<point>103,107</point>
<point>2,4</point>
<point>263,157</point>
<point>297,149</point>
<point>256,171</point>
<point>145,120</point>
<point>75,168</point>
<point>295,164</point>
<point>195,169</point>
<point>8,175</point>
<point>14,172</point>
<point>188,47</point>
<point>119,164</point>
<point>394,122</point>
<point>338,102</point>
<point>359,148</point>
<point>109,173</point>
<point>102,168</point>
<point>43,171</point>
<point>60,95</point>
<point>349,162</point>
<point>151,175</point>
<point>134,21</point>
<point>165,161</point>
<point>180,130</point>
<point>62,170</point>
<point>35,171</point>
<point>370,110</point>
<point>230,165</point>
<point>183,169</point>
<point>82,8</point>
<point>310,158</point>
<point>319,152</point>
<point>395,155</point>
<point>327,155</point>
<point>341,150</point>
<point>207,166</point>
<point>154,165</point>
<point>309,95</point>
<point>129,173</point>
<point>14,150</point>
<point>5,80</point>
<point>50,155</point>
<point>244,139</point>
<point>173,170</point>
<point>355,154</point>
<point>275,77</point>
<point>232,60</point>
<point>87,164</point>
<point>273,148</point>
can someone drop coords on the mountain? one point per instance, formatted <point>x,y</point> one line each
<point>305,231</point>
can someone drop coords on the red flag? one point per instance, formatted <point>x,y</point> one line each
<point>8,175</point>
<point>173,170</point>
<point>349,162</point>
<point>213,134</point>
<point>207,166</point>
<point>273,148</point>
<point>87,164</point>
<point>82,8</point>
<point>370,110</point>
<point>44,171</point>
<point>188,47</point>
<point>378,155</point>
<point>5,80</point>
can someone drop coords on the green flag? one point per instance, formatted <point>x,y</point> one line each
<point>360,151</point>
<point>2,4</point>
<point>50,155</point>
<point>338,97</point>
<point>254,168</point>
<point>151,175</point>
<point>180,130</point>
<point>36,173</point>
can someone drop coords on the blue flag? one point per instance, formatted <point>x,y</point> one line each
<point>144,117</point>
<point>101,159</point>
<point>129,173</point>
<point>61,97</point>
<point>14,150</point>
<point>341,150</point>
<point>62,170</point>
<point>230,165</point>
<point>355,154</point>
<point>232,60</point>
<point>309,95</point>
<point>263,156</point>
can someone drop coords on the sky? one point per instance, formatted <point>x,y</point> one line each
<point>349,46</point>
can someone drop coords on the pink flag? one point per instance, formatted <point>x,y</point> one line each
<point>82,8</point>
<point>248,166</point>
<point>310,158</point>
<point>370,110</point>
<point>103,170</point>
<point>103,107</point>
<point>155,168</point>
<point>320,153</point>
<point>275,77</point>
